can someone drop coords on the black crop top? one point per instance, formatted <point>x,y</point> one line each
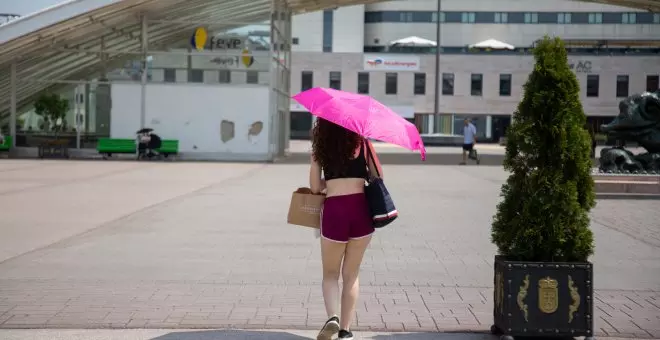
<point>357,168</point>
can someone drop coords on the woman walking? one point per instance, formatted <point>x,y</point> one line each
<point>340,156</point>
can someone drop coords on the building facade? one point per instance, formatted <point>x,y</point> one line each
<point>613,50</point>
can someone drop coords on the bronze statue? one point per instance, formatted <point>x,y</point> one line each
<point>638,121</point>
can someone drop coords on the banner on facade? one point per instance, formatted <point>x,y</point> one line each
<point>373,62</point>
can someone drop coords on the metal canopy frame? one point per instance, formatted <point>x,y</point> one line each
<point>61,44</point>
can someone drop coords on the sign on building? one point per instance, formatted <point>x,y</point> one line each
<point>233,52</point>
<point>390,63</point>
<point>580,66</point>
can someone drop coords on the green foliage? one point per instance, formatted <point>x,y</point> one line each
<point>52,108</point>
<point>544,214</point>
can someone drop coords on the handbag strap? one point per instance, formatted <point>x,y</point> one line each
<point>369,156</point>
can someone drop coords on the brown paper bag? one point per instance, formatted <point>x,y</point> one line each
<point>305,208</point>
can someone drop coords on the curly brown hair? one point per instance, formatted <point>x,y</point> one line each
<point>333,146</point>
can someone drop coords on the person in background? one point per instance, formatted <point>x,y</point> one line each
<point>469,141</point>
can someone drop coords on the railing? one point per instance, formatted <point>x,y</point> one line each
<point>517,51</point>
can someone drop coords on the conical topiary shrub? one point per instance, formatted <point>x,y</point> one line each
<point>546,200</point>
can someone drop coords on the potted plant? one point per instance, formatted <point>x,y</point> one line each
<point>52,108</point>
<point>543,280</point>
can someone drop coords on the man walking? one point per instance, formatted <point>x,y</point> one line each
<point>469,140</point>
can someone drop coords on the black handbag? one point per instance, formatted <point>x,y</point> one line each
<point>381,206</point>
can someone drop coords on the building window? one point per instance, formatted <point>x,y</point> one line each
<point>420,84</point>
<point>169,75</point>
<point>531,18</point>
<point>391,80</point>
<point>448,84</point>
<point>468,17</point>
<point>363,83</point>
<point>405,17</point>
<point>335,80</point>
<point>328,23</point>
<point>306,80</point>
<point>476,84</point>
<point>505,85</point>
<point>593,81</point>
<point>295,41</point>
<point>224,76</point>
<point>434,17</point>
<point>195,76</point>
<point>629,18</point>
<point>622,86</point>
<point>252,77</point>
<point>656,18</point>
<point>652,83</point>
<point>564,18</point>
<point>595,18</point>
<point>501,17</point>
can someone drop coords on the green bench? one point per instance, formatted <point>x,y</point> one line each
<point>7,144</point>
<point>109,146</point>
<point>168,147</point>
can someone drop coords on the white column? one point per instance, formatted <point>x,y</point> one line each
<point>12,104</point>
<point>489,126</point>
<point>143,94</point>
<point>287,82</point>
<point>272,97</point>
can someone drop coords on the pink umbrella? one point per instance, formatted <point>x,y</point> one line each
<point>362,115</point>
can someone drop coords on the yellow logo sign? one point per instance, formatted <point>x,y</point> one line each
<point>198,39</point>
<point>246,58</point>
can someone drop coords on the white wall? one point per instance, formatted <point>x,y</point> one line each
<point>192,113</point>
<point>462,66</point>
<point>308,28</point>
<point>348,30</point>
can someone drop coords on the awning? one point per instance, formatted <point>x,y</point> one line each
<point>413,41</point>
<point>493,44</point>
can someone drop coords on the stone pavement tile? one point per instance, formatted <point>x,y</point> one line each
<point>618,313</point>
<point>214,334</point>
<point>203,257</point>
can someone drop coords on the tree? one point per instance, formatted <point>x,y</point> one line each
<point>52,108</point>
<point>544,214</point>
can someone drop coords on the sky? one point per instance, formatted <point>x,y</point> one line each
<point>23,7</point>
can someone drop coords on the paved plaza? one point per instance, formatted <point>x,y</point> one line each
<point>172,245</point>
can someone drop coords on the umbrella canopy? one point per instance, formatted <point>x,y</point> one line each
<point>493,44</point>
<point>414,41</point>
<point>362,115</point>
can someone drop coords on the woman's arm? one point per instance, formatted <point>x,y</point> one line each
<point>374,164</point>
<point>316,184</point>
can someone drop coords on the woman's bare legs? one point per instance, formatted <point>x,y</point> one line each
<point>332,254</point>
<point>351,284</point>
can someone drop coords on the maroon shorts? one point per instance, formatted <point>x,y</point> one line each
<point>346,218</point>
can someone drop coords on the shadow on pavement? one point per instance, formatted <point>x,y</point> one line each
<point>414,159</point>
<point>409,159</point>
<point>230,335</point>
<point>435,336</point>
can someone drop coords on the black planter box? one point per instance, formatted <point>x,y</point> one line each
<point>547,299</point>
